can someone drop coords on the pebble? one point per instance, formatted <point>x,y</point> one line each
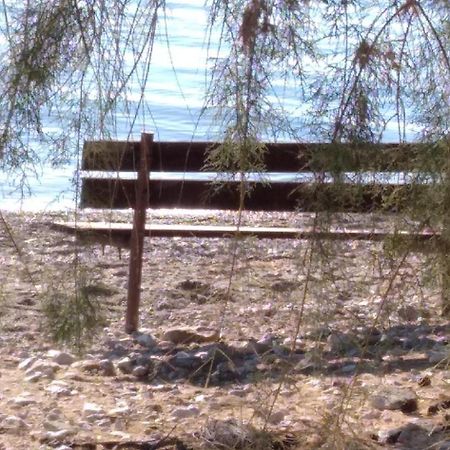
<point>120,411</point>
<point>92,408</point>
<point>61,358</point>
<point>107,368</point>
<point>58,388</point>
<point>145,339</point>
<point>435,357</point>
<point>185,360</point>
<point>140,371</point>
<point>57,435</point>
<point>27,363</point>
<point>14,425</point>
<point>341,342</point>
<point>183,413</point>
<point>190,335</point>
<point>392,398</point>
<point>22,400</point>
<point>34,377</point>
<point>91,366</point>
<point>125,365</point>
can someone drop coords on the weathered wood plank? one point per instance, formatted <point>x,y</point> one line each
<point>332,197</point>
<point>279,157</point>
<point>123,230</point>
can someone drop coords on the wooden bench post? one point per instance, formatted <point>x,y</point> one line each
<point>137,237</point>
<point>445,250</point>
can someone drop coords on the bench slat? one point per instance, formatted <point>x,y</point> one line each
<point>337,197</point>
<point>123,231</point>
<point>282,157</point>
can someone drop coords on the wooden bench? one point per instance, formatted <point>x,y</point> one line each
<point>116,176</point>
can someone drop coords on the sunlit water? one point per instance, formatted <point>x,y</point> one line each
<point>175,95</point>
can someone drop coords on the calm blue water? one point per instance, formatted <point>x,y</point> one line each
<point>174,96</point>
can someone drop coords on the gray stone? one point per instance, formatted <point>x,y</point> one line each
<point>91,366</point>
<point>408,313</point>
<point>22,400</point>
<point>34,377</point>
<point>119,411</point>
<point>185,412</point>
<point>54,425</point>
<point>58,388</point>
<point>145,339</point>
<point>190,335</point>
<point>61,358</point>
<point>27,363</point>
<point>320,333</point>
<point>410,435</point>
<point>125,365</point>
<point>341,342</point>
<point>57,435</point>
<point>185,360</point>
<point>281,286</point>
<point>140,371</point>
<point>14,425</point>
<point>107,368</point>
<point>392,398</point>
<point>435,357</point>
<point>92,408</point>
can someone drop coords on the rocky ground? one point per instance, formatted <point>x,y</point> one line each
<point>289,344</point>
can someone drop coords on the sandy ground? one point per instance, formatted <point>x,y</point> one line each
<point>329,324</point>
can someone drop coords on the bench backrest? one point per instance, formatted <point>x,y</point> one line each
<point>110,183</point>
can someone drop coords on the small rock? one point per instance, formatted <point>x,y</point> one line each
<point>424,381</point>
<point>53,425</point>
<point>92,408</point>
<point>348,368</point>
<point>408,313</point>
<point>61,358</point>
<point>436,357</point>
<point>27,363</point>
<point>185,360</point>
<point>438,406</point>
<point>278,416</point>
<point>34,377</point>
<point>120,411</point>
<point>58,388</point>
<point>43,366</point>
<point>91,366</point>
<point>320,333</point>
<point>371,414</point>
<point>140,371</point>
<point>14,425</point>
<point>107,368</point>
<point>125,365</point>
<point>57,435</point>
<point>341,342</point>
<point>190,335</point>
<point>22,400</point>
<point>144,339</point>
<point>183,413</point>
<point>392,397</point>
<point>281,286</point>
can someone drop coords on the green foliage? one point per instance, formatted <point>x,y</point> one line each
<point>71,308</point>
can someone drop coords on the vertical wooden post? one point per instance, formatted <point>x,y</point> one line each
<point>138,233</point>
<point>445,249</point>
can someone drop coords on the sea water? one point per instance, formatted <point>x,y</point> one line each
<point>174,97</point>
